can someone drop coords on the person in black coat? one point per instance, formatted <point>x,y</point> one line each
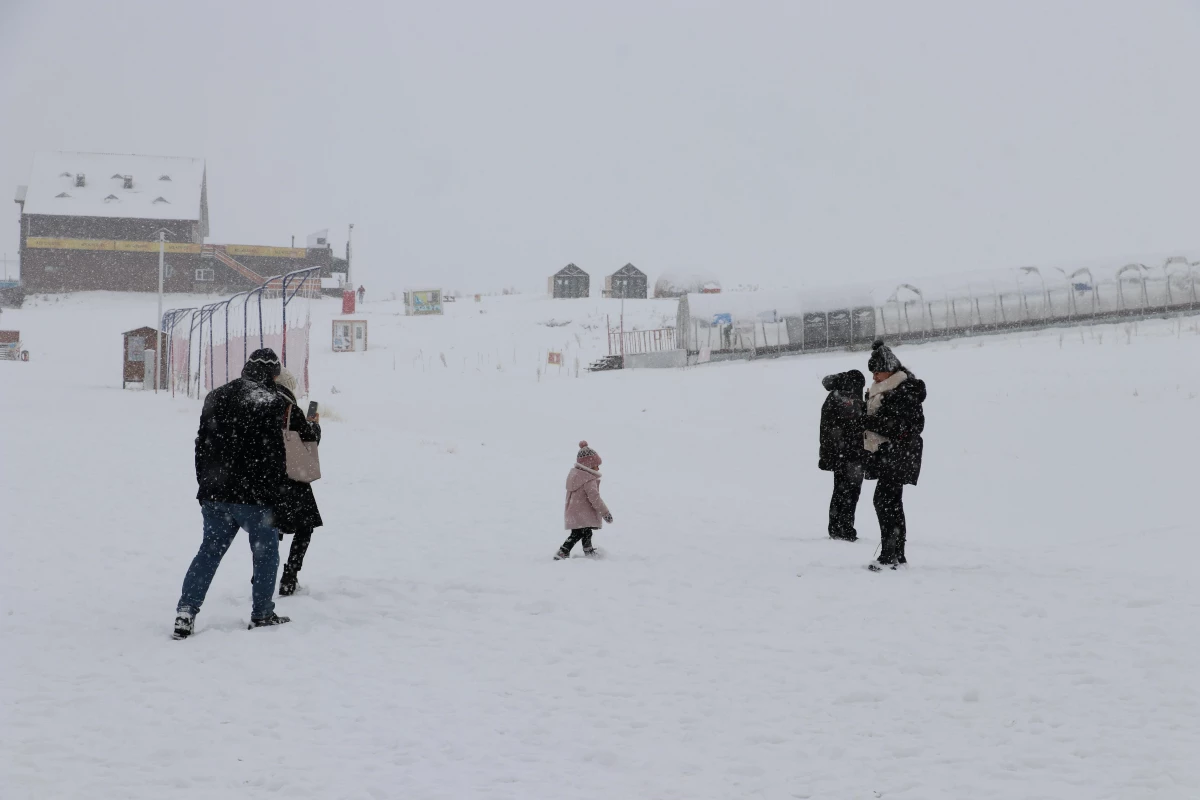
<point>892,436</point>
<point>841,450</point>
<point>240,466</point>
<point>296,509</point>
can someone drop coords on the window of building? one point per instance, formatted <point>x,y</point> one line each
<point>206,275</point>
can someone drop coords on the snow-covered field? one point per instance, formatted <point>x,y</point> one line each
<point>1043,644</point>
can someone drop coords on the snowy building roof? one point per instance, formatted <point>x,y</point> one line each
<point>570,270</point>
<point>122,186</point>
<point>630,270</point>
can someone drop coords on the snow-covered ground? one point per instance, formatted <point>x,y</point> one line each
<point>1044,643</point>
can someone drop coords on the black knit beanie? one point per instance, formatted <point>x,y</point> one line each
<point>882,358</point>
<point>263,366</point>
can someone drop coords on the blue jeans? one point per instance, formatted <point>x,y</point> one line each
<point>221,524</point>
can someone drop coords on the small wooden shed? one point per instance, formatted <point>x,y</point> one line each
<point>628,282</point>
<point>137,342</point>
<point>570,281</point>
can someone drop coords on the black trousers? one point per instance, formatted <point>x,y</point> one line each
<point>295,559</point>
<point>847,486</point>
<point>579,533</point>
<point>889,507</point>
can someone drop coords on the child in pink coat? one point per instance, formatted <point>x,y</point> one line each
<point>585,510</point>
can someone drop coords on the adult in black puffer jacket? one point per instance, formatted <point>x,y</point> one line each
<point>240,467</point>
<point>239,447</point>
<point>893,424</point>
<point>296,509</point>
<point>842,450</point>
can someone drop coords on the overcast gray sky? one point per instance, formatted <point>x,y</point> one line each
<point>477,145</point>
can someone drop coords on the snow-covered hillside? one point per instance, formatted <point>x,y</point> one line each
<point>1042,644</point>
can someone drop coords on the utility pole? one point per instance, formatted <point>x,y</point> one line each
<point>622,327</point>
<point>162,246</point>
<point>349,251</point>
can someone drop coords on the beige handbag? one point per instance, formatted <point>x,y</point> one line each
<point>303,462</point>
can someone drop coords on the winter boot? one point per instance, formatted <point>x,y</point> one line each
<point>267,622</point>
<point>561,554</point>
<point>590,552</point>
<point>288,583</point>
<point>185,625</point>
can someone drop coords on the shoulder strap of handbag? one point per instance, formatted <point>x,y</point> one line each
<point>287,418</point>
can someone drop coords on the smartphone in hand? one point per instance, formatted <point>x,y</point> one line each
<point>312,409</point>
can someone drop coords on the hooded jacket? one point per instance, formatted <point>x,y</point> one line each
<point>239,445</point>
<point>841,435</point>
<point>899,419</point>
<point>584,508</point>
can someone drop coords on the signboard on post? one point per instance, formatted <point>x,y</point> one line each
<point>423,303</point>
<point>554,358</point>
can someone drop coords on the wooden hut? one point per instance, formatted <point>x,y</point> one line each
<point>628,283</point>
<point>135,344</point>
<point>570,282</point>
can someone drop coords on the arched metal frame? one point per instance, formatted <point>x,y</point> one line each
<point>171,319</point>
<point>289,284</point>
<point>904,304</point>
<point>999,301</point>
<point>1045,291</point>
<point>1070,291</point>
<point>206,315</point>
<point>1091,287</point>
<point>1168,298</point>
<point>192,323</point>
<point>245,321</point>
<point>294,276</point>
<point>1137,269</point>
<point>224,305</point>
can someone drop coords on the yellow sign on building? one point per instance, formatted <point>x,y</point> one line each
<point>48,243</point>
<point>265,252</point>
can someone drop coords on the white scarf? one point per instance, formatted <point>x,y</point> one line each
<point>872,440</point>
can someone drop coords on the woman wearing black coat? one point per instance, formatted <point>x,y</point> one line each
<point>892,436</point>
<point>296,509</point>
<point>842,450</point>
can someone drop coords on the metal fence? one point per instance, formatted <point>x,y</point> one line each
<point>1023,299</point>
<point>621,343</point>
<point>209,345</point>
<point>1134,291</point>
